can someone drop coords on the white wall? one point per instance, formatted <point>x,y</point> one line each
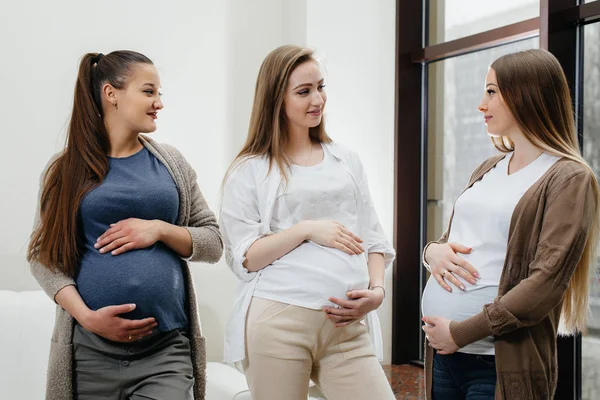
<point>356,39</point>
<point>188,42</point>
<point>208,54</point>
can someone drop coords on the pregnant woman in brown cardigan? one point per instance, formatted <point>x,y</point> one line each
<point>526,229</point>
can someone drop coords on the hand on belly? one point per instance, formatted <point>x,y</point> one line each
<point>107,323</point>
<point>361,302</point>
<point>438,334</point>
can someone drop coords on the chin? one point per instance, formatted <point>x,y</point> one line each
<point>492,133</point>
<point>314,124</point>
<point>148,128</point>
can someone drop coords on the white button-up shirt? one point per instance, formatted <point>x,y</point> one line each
<point>245,216</point>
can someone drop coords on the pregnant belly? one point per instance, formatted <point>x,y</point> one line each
<point>458,305</point>
<point>310,274</point>
<point>151,278</point>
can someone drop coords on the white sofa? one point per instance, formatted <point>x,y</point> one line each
<point>27,320</point>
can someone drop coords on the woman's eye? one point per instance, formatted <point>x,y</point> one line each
<point>322,86</point>
<point>149,91</point>
<point>303,92</point>
<point>490,91</point>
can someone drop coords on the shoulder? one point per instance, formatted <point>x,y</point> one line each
<point>166,151</point>
<point>485,166</point>
<point>245,170</point>
<point>168,155</point>
<point>566,171</point>
<point>341,150</point>
<point>489,163</point>
<point>346,154</point>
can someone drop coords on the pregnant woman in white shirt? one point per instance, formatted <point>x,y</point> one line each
<point>302,236</point>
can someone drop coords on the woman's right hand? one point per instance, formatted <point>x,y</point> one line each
<point>335,235</point>
<point>106,322</point>
<point>446,265</point>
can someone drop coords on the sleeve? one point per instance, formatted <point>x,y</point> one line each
<point>240,218</point>
<point>559,251</point>
<point>207,244</point>
<point>375,237</point>
<point>50,281</point>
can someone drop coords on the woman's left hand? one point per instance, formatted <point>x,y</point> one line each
<point>438,334</point>
<point>129,234</point>
<point>362,302</point>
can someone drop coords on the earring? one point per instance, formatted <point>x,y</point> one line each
<point>116,106</point>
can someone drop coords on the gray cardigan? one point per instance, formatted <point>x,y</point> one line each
<point>199,220</point>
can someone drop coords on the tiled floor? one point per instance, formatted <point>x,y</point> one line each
<point>407,381</point>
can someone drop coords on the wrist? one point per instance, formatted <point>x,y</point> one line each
<point>426,250</point>
<point>85,318</point>
<point>304,228</point>
<point>160,229</point>
<point>379,290</point>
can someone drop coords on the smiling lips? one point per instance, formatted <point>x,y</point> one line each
<point>315,113</point>
<point>487,118</point>
<point>154,115</point>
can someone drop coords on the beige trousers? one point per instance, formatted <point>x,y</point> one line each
<point>286,346</point>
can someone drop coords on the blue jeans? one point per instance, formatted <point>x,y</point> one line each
<point>462,376</point>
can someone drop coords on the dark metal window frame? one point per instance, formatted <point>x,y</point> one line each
<point>558,28</point>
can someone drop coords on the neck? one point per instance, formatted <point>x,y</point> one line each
<point>298,140</point>
<point>123,142</point>
<point>525,152</point>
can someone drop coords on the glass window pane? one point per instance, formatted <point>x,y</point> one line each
<point>457,138</point>
<point>591,149</point>
<point>453,19</point>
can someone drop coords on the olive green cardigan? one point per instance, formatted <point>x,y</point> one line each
<point>199,220</point>
<point>548,232</point>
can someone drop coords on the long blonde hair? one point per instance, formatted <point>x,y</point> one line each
<point>268,133</point>
<point>535,90</point>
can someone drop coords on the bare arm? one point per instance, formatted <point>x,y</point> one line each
<point>325,233</point>
<point>376,269</point>
<point>177,238</point>
<point>270,248</point>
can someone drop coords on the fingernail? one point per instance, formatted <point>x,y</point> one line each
<point>97,245</point>
<point>473,281</point>
<point>113,252</point>
<point>131,306</point>
<point>462,288</point>
<point>348,294</point>
<point>476,275</point>
<point>102,250</point>
<point>449,289</point>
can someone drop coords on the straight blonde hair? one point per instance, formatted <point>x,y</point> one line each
<point>534,87</point>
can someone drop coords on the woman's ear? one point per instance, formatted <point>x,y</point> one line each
<point>109,93</point>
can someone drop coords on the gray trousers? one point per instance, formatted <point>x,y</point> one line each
<point>158,367</point>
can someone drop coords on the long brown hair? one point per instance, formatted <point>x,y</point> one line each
<point>268,132</point>
<point>535,90</point>
<point>83,163</point>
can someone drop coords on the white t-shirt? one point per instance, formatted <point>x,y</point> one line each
<point>310,274</point>
<point>482,216</point>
